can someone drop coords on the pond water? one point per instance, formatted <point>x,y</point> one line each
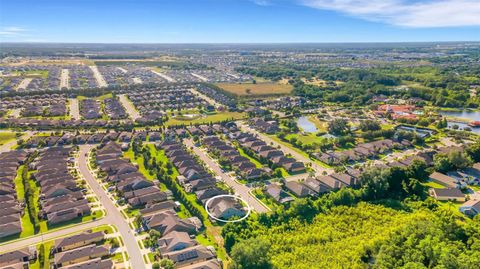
<point>464,114</point>
<point>420,131</point>
<point>306,125</point>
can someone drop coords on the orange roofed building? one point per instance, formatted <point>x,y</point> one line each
<point>397,111</point>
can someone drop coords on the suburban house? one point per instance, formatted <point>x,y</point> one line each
<point>470,208</point>
<point>444,180</point>
<point>79,240</point>
<point>447,194</point>
<point>226,208</point>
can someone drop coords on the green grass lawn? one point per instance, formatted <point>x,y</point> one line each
<point>254,161</point>
<point>139,161</point>
<point>27,226</point>
<point>432,184</point>
<point>6,137</point>
<point>306,138</point>
<point>321,125</point>
<point>218,117</point>
<point>475,188</point>
<point>279,141</point>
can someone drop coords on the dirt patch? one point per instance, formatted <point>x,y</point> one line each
<point>247,89</point>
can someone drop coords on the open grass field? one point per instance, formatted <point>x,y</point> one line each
<point>220,116</point>
<point>306,139</point>
<point>140,62</point>
<point>321,125</point>
<point>432,184</point>
<point>6,137</point>
<point>27,226</point>
<point>250,89</point>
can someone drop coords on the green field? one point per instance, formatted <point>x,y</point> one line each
<point>27,226</point>
<point>218,117</point>
<point>6,137</point>
<point>250,89</point>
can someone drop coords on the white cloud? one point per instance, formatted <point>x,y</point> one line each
<point>261,2</point>
<point>408,13</point>
<point>12,31</point>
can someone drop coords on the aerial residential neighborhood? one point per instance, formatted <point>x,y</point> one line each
<point>244,134</point>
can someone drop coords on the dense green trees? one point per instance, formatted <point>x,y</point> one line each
<point>435,242</point>
<point>396,226</point>
<point>251,254</point>
<point>338,127</point>
<point>369,125</point>
<point>451,161</point>
<point>360,236</point>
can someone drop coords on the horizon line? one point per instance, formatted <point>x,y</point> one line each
<point>237,43</point>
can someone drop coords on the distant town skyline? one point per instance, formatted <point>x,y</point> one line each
<point>239,21</point>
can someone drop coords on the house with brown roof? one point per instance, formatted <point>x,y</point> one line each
<point>226,208</point>
<point>447,194</point>
<point>96,263</point>
<point>168,221</point>
<point>299,189</point>
<point>470,208</point>
<point>79,255</point>
<point>17,257</point>
<point>152,209</point>
<point>191,255</point>
<point>276,192</point>
<point>174,241</point>
<point>210,264</point>
<point>444,180</point>
<point>78,240</point>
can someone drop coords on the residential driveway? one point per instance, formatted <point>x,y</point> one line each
<point>318,169</point>
<point>114,216</point>
<point>240,189</point>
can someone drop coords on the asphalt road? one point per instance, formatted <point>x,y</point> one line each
<point>131,110</point>
<point>113,214</point>
<point>318,169</point>
<point>7,146</point>
<point>37,239</point>
<point>168,78</point>
<point>65,79</point>
<point>240,189</point>
<point>98,76</point>
<point>206,98</point>
<point>74,109</point>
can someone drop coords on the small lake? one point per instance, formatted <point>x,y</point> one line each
<point>462,125</point>
<point>306,125</point>
<point>422,132</point>
<point>465,114</point>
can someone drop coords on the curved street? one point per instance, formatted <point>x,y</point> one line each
<point>240,189</point>
<point>114,216</point>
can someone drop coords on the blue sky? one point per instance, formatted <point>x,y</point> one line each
<point>238,21</point>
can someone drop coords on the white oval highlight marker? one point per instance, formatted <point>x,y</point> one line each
<point>232,196</point>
